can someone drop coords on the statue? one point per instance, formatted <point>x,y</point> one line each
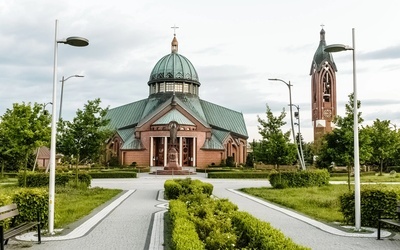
<point>173,129</point>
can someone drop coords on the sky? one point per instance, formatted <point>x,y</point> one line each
<point>235,46</point>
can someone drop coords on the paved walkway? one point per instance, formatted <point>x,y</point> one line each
<point>135,220</point>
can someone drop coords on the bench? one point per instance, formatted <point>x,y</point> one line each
<point>11,211</point>
<point>387,221</point>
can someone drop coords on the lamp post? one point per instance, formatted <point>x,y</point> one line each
<point>297,116</point>
<point>62,91</point>
<point>357,196</point>
<point>291,118</point>
<point>73,41</point>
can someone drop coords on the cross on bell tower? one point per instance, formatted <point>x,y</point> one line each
<point>323,89</point>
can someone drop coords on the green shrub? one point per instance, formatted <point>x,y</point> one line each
<point>238,175</point>
<point>34,179</point>
<point>176,187</point>
<point>30,201</point>
<point>255,234</point>
<point>184,234</point>
<point>114,174</point>
<point>172,189</point>
<point>373,199</point>
<point>299,179</point>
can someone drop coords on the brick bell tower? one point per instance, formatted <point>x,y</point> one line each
<point>323,90</point>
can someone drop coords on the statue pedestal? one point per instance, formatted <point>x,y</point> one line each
<point>173,160</point>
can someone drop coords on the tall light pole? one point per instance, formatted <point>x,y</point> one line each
<point>291,118</point>
<point>73,41</point>
<point>357,196</point>
<point>62,91</point>
<point>297,116</point>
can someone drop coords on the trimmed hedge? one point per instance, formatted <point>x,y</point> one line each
<point>184,235</point>
<point>238,175</point>
<point>256,234</point>
<point>37,179</point>
<point>372,200</point>
<point>29,202</point>
<point>299,179</point>
<point>176,187</point>
<point>116,174</point>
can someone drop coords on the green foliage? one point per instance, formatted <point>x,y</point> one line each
<point>299,179</point>
<point>30,202</point>
<point>384,142</point>
<point>256,234</point>
<point>250,160</point>
<point>37,179</point>
<point>238,175</point>
<point>113,174</point>
<point>22,130</point>
<point>184,234</point>
<point>177,187</point>
<point>275,147</point>
<point>230,162</point>
<point>84,137</point>
<point>338,146</point>
<point>373,199</point>
<point>172,189</point>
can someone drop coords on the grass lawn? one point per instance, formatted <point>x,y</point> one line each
<point>370,178</point>
<point>320,203</point>
<point>70,204</point>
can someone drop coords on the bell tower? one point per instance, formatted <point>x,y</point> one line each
<point>323,90</point>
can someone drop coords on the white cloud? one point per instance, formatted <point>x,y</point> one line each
<point>234,45</point>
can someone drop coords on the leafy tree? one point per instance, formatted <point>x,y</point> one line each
<point>22,130</point>
<point>84,137</point>
<point>275,146</point>
<point>384,142</point>
<point>338,146</point>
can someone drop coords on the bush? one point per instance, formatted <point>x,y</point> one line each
<point>299,179</point>
<point>176,187</point>
<point>372,200</point>
<point>256,234</point>
<point>30,202</point>
<point>34,179</point>
<point>172,189</point>
<point>238,175</point>
<point>184,234</point>
<point>113,174</point>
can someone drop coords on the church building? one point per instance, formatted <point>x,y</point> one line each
<point>205,133</point>
<point>323,90</point>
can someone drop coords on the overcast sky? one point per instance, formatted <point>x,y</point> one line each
<point>235,47</point>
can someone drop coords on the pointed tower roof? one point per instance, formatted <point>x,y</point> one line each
<point>321,56</point>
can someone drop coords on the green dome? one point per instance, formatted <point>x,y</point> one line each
<point>174,67</point>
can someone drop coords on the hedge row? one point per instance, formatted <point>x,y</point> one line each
<point>372,200</point>
<point>238,175</point>
<point>184,235</point>
<point>299,179</point>
<point>29,202</point>
<point>176,187</point>
<point>201,222</point>
<point>38,179</point>
<point>114,174</point>
<point>256,234</point>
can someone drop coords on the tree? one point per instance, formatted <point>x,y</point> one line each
<point>22,130</point>
<point>338,146</point>
<point>384,142</point>
<point>275,145</point>
<point>83,138</point>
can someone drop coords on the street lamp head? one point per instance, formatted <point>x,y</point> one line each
<point>78,76</point>
<point>76,41</point>
<point>337,48</point>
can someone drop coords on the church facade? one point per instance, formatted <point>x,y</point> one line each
<point>323,90</point>
<point>205,133</point>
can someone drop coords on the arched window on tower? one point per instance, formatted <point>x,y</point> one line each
<point>326,83</point>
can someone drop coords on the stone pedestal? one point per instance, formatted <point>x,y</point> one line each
<point>172,163</point>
